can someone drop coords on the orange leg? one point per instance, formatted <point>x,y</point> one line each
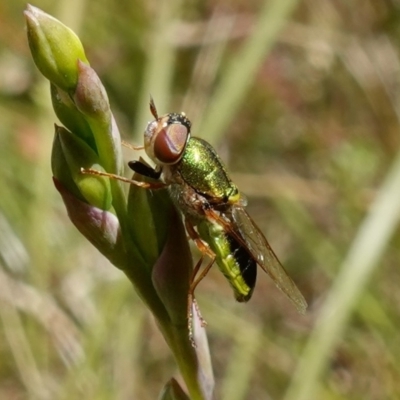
<point>201,245</point>
<point>131,146</point>
<point>145,185</point>
<point>196,278</point>
<point>192,301</point>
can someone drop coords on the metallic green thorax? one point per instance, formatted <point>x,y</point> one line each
<point>202,169</point>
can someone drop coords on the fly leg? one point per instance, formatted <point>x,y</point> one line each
<point>137,166</point>
<point>196,278</point>
<point>191,302</point>
<point>145,185</point>
<point>131,146</point>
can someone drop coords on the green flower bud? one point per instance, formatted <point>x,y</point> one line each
<point>77,154</point>
<point>70,116</point>
<point>55,48</point>
<point>100,227</point>
<point>91,99</point>
<point>90,96</point>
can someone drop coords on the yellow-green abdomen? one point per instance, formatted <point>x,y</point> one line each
<point>232,258</point>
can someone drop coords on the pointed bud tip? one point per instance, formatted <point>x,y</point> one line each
<point>34,15</point>
<point>30,11</point>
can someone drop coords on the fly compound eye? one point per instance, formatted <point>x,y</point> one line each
<point>170,143</point>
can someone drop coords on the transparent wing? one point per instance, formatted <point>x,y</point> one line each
<point>265,257</point>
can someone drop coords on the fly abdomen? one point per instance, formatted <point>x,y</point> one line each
<point>247,266</point>
<point>232,258</point>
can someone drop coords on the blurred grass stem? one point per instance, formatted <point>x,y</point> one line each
<point>367,248</point>
<point>16,338</point>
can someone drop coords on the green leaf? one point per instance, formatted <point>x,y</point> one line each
<point>148,212</point>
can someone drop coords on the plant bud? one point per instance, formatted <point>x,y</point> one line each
<point>55,48</point>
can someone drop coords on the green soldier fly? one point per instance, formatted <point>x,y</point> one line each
<point>212,206</point>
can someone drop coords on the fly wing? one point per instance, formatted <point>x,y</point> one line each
<point>265,256</point>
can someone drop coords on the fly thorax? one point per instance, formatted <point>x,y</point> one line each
<point>202,169</point>
<point>188,201</point>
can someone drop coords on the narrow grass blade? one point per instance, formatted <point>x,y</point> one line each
<point>367,248</point>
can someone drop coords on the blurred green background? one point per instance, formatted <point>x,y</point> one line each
<point>307,121</point>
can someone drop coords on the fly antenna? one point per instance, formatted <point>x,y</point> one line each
<point>153,108</point>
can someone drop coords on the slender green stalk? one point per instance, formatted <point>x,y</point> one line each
<point>363,257</point>
<point>141,234</point>
<point>298,218</point>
